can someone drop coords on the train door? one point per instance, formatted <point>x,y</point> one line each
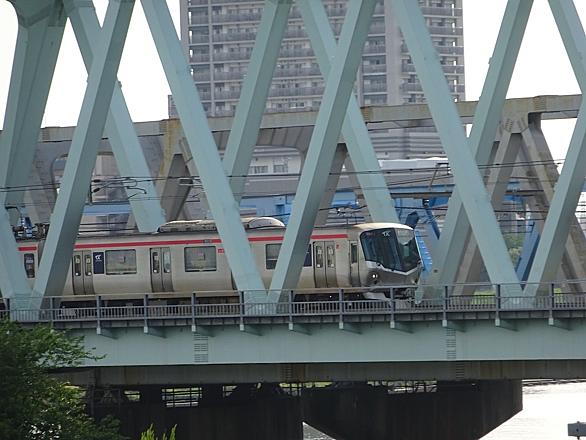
<point>354,267</point>
<point>324,264</point>
<point>82,268</point>
<point>161,276</point>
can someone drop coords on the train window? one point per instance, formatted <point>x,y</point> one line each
<point>408,248</point>
<point>121,262</point>
<point>330,259</point>
<point>166,260</point>
<point>330,256</point>
<point>29,265</point>
<point>88,264</point>
<point>353,253</point>
<point>308,261</point>
<point>272,253</point>
<point>199,259</point>
<point>155,262</point>
<point>77,265</point>
<point>319,256</point>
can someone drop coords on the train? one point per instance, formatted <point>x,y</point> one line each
<point>188,256</point>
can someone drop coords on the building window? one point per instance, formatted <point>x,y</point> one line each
<point>259,169</point>
<point>280,168</point>
<point>199,259</point>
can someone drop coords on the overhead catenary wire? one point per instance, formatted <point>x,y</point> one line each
<point>121,180</point>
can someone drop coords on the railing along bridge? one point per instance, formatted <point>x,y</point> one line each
<point>557,302</point>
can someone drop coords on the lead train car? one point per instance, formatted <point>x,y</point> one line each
<point>187,256</point>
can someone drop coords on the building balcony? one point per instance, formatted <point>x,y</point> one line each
<point>232,56</point>
<point>416,88</point>
<point>436,11</point>
<point>198,19</point>
<point>199,39</point>
<point>447,68</point>
<point>234,36</point>
<point>297,91</point>
<point>374,68</point>
<point>237,17</point>
<point>199,58</point>
<point>227,76</point>
<point>442,50</point>
<point>205,96</point>
<point>201,76</point>
<point>377,49</point>
<point>375,88</point>
<point>445,30</point>
<point>295,73</point>
<point>296,53</point>
<point>227,94</point>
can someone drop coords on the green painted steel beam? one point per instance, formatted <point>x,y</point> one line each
<point>41,24</point>
<point>119,127</point>
<point>571,181</point>
<point>314,176</point>
<point>425,341</point>
<point>498,179</point>
<point>360,148</point>
<point>331,186</point>
<point>536,150</point>
<point>452,242</point>
<point>204,152</point>
<point>467,177</point>
<point>83,152</point>
<point>13,281</point>
<point>254,93</point>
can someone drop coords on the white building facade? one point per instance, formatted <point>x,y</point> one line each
<point>218,37</point>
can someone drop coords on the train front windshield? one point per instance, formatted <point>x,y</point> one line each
<point>394,249</point>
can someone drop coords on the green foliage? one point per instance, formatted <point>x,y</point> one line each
<point>514,244</point>
<point>34,405</point>
<point>150,434</point>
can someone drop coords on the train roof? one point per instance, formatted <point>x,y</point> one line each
<point>250,224</point>
<point>380,225</point>
<point>210,225</point>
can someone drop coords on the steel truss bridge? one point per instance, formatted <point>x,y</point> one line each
<point>517,332</point>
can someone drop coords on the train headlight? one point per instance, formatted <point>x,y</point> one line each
<point>374,277</point>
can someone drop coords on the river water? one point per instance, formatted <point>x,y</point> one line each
<point>547,410</point>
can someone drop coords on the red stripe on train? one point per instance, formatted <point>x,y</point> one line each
<point>144,243</point>
<point>180,242</point>
<point>27,248</point>
<point>199,241</point>
<point>313,237</point>
<point>328,236</point>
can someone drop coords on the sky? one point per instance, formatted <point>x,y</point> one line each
<point>542,68</point>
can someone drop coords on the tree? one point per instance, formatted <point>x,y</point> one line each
<point>150,434</point>
<point>34,405</point>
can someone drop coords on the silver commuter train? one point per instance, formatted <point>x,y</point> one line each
<point>187,256</point>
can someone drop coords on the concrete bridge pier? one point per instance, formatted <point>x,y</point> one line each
<point>456,411</point>
<point>248,412</point>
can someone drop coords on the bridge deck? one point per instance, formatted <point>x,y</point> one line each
<point>453,338</point>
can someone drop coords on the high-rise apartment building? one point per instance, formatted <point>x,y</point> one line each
<point>218,37</point>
